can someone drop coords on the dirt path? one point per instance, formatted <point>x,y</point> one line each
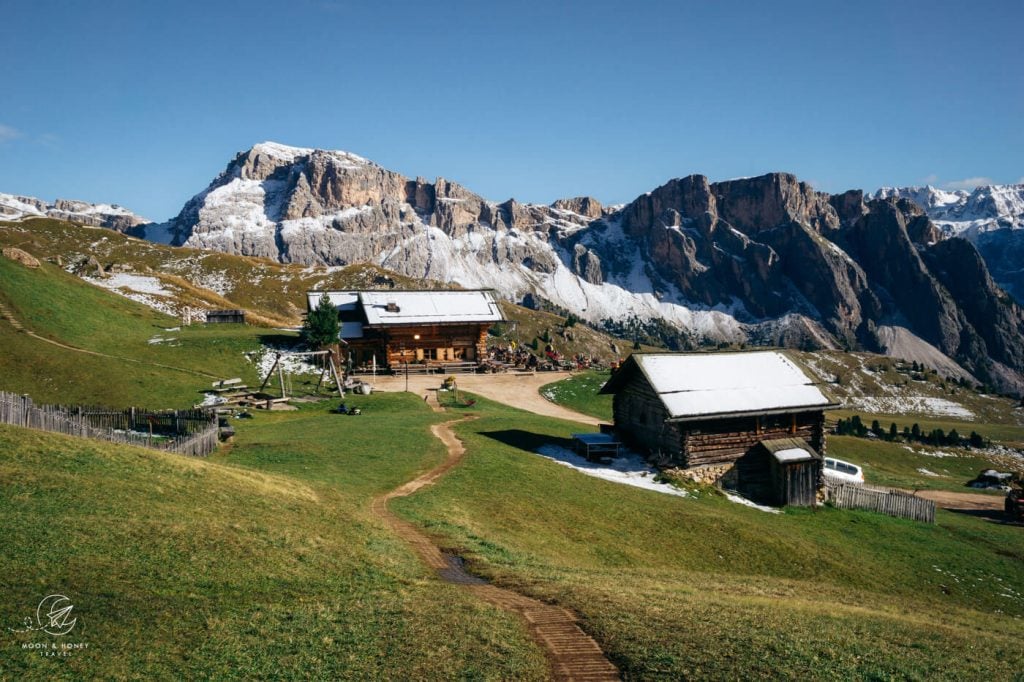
<point>574,655</point>
<point>6,314</point>
<point>516,390</point>
<point>948,499</point>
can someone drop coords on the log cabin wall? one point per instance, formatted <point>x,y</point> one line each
<point>640,419</point>
<point>437,344</point>
<point>720,441</point>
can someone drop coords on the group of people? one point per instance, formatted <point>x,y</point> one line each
<point>514,355</point>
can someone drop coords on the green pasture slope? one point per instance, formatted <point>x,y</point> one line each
<point>63,308</point>
<point>263,562</point>
<point>704,588</point>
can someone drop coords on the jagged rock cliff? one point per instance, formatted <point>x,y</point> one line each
<point>764,259</point>
<point>15,207</point>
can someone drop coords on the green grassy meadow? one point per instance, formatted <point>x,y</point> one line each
<point>62,308</point>
<point>262,562</point>
<point>580,393</point>
<point>677,588</point>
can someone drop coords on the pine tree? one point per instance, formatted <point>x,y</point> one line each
<point>893,431</point>
<point>321,327</point>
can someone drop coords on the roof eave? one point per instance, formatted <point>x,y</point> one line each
<point>385,325</point>
<point>754,413</point>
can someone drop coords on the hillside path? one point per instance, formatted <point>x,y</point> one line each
<point>573,654</point>
<point>515,390</point>
<point>6,314</point>
<point>948,499</point>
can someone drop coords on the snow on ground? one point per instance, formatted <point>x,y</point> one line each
<point>630,469</point>
<point>936,407</point>
<point>148,291</point>
<point>938,454</point>
<point>264,360</point>
<point>211,399</point>
<point>161,339</point>
<point>733,497</point>
<point>927,472</point>
<point>138,283</point>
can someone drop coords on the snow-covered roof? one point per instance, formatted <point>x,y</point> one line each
<point>429,307</point>
<point>793,455</point>
<point>388,308</point>
<point>700,385</point>
<point>342,300</point>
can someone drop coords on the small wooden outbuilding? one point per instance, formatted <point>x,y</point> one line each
<point>225,317</point>
<point>752,421</point>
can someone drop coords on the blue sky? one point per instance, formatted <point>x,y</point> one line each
<point>143,103</point>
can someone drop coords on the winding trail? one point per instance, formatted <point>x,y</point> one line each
<point>573,654</point>
<point>6,314</point>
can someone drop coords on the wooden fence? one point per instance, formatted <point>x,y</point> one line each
<point>891,502</point>
<point>187,432</point>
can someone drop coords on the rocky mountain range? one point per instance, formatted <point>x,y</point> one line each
<point>755,260</point>
<point>15,207</point>
<point>991,217</point>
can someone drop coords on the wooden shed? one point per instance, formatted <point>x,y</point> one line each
<point>721,418</point>
<point>225,317</point>
<point>422,327</point>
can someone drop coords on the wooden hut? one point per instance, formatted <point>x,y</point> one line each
<point>424,328</point>
<point>225,317</point>
<point>732,419</point>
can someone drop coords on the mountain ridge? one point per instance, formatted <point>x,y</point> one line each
<point>113,216</point>
<point>764,260</point>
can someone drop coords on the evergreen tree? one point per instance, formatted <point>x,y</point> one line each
<point>321,327</point>
<point>915,431</point>
<point>953,438</point>
<point>893,431</point>
<point>876,428</point>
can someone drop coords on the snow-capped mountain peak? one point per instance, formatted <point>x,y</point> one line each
<point>986,208</point>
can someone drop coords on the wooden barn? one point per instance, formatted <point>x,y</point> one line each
<point>752,421</point>
<point>430,328</point>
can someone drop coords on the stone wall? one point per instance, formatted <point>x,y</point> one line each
<point>719,475</point>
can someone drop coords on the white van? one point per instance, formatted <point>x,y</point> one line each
<point>843,472</point>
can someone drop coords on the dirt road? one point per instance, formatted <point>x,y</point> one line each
<point>948,499</point>
<point>517,390</point>
<point>573,654</point>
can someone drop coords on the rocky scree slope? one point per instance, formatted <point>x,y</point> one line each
<point>762,260</point>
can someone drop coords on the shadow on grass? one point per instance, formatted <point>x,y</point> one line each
<point>526,440</point>
<point>282,341</point>
<point>993,515</point>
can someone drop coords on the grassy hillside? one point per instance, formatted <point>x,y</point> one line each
<point>274,292</point>
<point>126,364</point>
<point>709,589</point>
<point>186,569</point>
